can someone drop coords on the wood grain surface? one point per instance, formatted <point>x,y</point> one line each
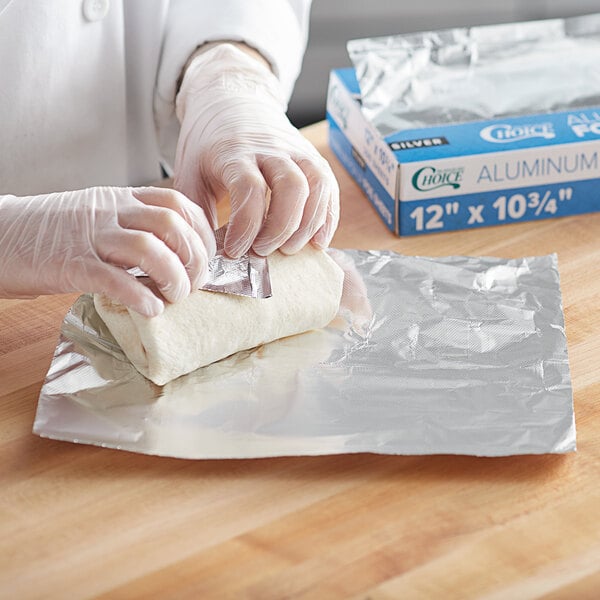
<point>85,522</point>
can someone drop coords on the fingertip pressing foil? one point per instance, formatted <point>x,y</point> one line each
<point>454,355</point>
<point>244,276</point>
<point>247,275</point>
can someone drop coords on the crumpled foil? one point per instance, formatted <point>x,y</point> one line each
<point>244,276</point>
<point>478,73</point>
<point>451,355</point>
<point>247,275</point>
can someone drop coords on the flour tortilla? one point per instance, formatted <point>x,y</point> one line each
<point>208,326</point>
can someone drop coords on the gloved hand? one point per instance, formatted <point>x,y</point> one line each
<point>236,141</point>
<point>355,306</point>
<point>82,241</point>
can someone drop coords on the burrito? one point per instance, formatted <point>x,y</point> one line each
<point>208,326</point>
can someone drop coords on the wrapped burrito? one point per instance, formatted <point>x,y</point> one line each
<point>208,326</point>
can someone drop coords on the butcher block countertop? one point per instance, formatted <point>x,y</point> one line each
<point>81,521</point>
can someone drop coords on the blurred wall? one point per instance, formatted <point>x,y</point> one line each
<point>334,22</point>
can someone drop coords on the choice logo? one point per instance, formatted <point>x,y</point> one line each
<point>430,178</point>
<point>505,133</point>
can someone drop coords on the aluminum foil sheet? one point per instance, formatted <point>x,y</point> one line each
<point>478,73</point>
<point>247,275</point>
<point>427,355</point>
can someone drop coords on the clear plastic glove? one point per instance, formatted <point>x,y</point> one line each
<point>355,306</point>
<point>83,241</point>
<point>237,142</point>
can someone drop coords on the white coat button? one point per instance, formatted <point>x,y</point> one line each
<point>95,10</point>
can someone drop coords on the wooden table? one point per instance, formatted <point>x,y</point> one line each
<point>80,521</point>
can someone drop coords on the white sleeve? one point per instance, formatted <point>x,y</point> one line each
<point>278,29</point>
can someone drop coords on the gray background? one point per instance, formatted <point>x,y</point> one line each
<point>334,22</point>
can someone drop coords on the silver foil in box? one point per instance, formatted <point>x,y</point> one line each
<point>478,73</point>
<point>427,355</point>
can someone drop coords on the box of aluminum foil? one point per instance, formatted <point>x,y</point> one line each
<point>465,128</point>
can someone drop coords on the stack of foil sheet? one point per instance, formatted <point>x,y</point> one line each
<point>478,73</point>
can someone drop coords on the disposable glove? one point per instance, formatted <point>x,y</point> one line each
<point>237,142</point>
<point>83,241</point>
<point>355,306</point>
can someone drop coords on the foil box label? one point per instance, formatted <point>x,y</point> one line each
<point>467,175</point>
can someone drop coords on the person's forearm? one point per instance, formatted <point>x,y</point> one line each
<point>249,50</point>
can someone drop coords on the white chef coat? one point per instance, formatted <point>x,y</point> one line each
<point>87,87</point>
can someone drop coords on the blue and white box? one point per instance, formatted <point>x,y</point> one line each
<point>468,175</point>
